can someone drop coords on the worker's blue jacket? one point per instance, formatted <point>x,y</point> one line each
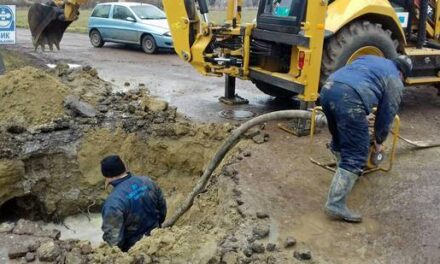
<point>377,81</point>
<point>134,208</point>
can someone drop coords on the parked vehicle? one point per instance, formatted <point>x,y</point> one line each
<point>130,23</point>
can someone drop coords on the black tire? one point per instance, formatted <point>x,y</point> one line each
<point>274,91</point>
<point>96,39</point>
<point>340,47</point>
<point>148,44</point>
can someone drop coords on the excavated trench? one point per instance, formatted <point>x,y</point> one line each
<point>55,127</point>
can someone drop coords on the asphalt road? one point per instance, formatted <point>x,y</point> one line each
<point>164,74</point>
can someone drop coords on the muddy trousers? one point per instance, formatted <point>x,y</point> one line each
<point>348,125</point>
<point>347,121</point>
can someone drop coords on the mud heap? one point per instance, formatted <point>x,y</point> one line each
<point>30,97</point>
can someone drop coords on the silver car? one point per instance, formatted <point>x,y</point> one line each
<point>130,23</point>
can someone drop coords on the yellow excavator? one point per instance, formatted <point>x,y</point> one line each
<point>48,21</point>
<point>293,45</point>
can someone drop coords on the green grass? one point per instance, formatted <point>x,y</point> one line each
<point>80,25</point>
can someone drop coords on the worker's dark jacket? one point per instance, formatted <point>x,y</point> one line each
<point>134,208</point>
<point>349,95</point>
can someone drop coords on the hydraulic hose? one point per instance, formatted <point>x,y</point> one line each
<point>421,37</point>
<point>227,145</point>
<point>203,6</point>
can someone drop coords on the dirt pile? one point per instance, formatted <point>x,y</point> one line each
<point>83,82</point>
<point>30,96</point>
<point>175,245</point>
<point>29,242</point>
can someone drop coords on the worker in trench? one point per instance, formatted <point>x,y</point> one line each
<point>133,209</point>
<point>347,98</point>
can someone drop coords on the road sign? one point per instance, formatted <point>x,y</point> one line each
<point>7,24</point>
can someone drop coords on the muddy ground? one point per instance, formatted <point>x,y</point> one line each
<point>270,193</point>
<point>165,75</point>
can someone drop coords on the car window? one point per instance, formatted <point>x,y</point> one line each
<point>148,12</point>
<point>101,11</point>
<point>121,12</point>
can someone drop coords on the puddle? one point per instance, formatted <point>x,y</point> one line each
<point>80,227</point>
<point>238,115</point>
<point>71,66</point>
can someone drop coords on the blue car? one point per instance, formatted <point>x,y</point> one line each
<point>130,23</point>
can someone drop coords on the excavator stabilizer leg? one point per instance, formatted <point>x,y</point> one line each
<point>47,25</point>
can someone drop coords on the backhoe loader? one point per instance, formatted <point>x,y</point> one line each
<point>294,44</point>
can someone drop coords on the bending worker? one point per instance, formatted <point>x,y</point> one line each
<point>133,209</point>
<point>347,97</point>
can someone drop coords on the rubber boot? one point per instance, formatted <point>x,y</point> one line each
<point>337,156</point>
<point>336,206</point>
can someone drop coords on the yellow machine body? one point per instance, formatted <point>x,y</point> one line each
<point>71,8</point>
<point>182,25</point>
<point>341,12</point>
<point>322,21</point>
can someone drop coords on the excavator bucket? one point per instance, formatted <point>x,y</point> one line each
<point>47,25</point>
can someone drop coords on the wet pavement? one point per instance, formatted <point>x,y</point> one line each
<point>164,74</point>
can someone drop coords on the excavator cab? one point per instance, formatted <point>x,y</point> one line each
<point>281,15</point>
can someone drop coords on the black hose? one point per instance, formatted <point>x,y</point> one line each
<point>227,145</point>
<point>432,44</point>
<point>203,6</point>
<point>421,36</point>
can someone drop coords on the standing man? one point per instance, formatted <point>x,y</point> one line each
<point>134,207</point>
<point>347,97</point>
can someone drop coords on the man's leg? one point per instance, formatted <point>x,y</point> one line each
<point>329,100</point>
<point>353,141</point>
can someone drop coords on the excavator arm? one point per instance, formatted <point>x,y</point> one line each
<point>48,21</point>
<point>211,49</point>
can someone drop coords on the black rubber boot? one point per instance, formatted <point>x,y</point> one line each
<point>336,206</point>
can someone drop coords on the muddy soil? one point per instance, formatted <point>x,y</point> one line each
<point>165,74</point>
<point>400,208</point>
<point>49,164</point>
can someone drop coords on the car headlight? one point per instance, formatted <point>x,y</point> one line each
<point>168,34</point>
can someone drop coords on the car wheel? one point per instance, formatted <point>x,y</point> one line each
<point>96,39</point>
<point>149,44</point>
